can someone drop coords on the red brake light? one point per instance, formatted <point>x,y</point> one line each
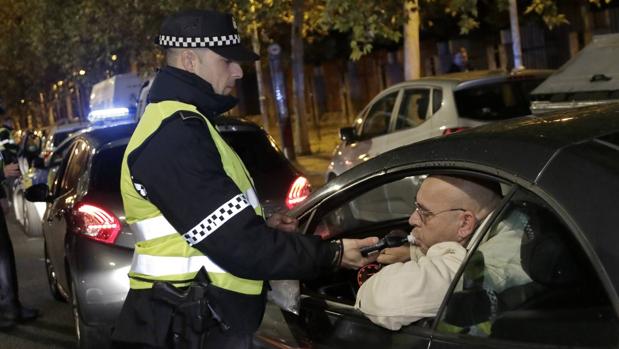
<point>299,191</point>
<point>449,131</point>
<point>96,223</point>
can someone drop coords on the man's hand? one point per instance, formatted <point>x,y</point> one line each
<point>11,170</point>
<point>352,258</point>
<point>283,223</point>
<point>395,254</point>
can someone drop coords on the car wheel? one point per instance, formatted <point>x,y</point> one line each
<point>88,337</point>
<point>52,281</point>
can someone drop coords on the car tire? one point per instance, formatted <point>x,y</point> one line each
<point>52,281</point>
<point>88,337</point>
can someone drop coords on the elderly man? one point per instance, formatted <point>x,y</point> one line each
<point>448,211</point>
<point>203,246</point>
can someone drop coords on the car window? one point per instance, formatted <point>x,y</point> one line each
<point>76,166</point>
<point>378,117</point>
<point>106,165</point>
<point>414,108</point>
<point>388,202</point>
<point>496,101</point>
<point>529,281</point>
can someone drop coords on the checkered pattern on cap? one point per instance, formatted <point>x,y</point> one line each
<point>216,219</point>
<point>212,41</point>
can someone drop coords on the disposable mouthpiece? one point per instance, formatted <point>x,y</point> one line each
<point>411,239</point>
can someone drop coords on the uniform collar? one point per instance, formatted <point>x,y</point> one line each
<point>180,85</point>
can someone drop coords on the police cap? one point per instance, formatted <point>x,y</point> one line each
<point>214,30</point>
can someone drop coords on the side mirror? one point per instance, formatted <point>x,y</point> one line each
<point>348,134</point>
<point>37,193</point>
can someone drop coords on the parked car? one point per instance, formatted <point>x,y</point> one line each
<point>559,175</point>
<point>590,77</point>
<point>89,246</point>
<point>34,164</point>
<point>38,167</point>
<point>415,110</point>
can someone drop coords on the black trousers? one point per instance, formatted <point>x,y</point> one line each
<point>8,273</point>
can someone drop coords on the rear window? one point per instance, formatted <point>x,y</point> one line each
<point>106,169</point>
<point>498,101</point>
<point>257,153</point>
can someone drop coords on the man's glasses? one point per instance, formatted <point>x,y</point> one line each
<point>426,215</point>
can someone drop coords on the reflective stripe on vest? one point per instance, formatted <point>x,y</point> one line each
<point>162,266</point>
<point>152,228</point>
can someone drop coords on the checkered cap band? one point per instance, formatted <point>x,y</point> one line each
<point>207,41</point>
<point>216,219</point>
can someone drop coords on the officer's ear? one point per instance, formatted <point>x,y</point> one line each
<point>189,60</point>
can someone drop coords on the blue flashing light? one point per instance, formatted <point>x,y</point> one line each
<point>108,114</point>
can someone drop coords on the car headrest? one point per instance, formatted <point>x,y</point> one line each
<point>547,253</point>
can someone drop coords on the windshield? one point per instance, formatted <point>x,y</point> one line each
<point>497,101</point>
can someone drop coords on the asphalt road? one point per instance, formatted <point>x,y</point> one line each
<point>54,329</point>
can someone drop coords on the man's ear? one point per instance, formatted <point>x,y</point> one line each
<point>467,226</point>
<point>188,59</point>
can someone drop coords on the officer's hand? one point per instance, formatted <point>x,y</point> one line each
<point>395,254</point>
<point>11,170</point>
<point>283,223</point>
<point>352,258</point>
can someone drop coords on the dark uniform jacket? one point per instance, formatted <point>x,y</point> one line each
<point>182,172</point>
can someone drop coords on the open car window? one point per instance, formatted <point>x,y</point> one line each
<point>388,202</point>
<point>529,281</point>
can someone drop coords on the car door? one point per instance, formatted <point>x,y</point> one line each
<point>327,316</point>
<point>527,284</point>
<point>412,122</point>
<point>372,130</point>
<point>64,191</point>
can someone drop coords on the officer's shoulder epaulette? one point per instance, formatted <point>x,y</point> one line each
<point>187,115</point>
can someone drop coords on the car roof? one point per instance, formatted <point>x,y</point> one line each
<point>477,77</point>
<point>100,136</point>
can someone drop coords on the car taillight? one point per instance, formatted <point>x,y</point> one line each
<point>299,191</point>
<point>96,223</point>
<point>449,131</point>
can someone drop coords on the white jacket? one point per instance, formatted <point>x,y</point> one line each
<point>420,288</point>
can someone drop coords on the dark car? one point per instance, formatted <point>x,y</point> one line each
<point>89,246</point>
<point>559,175</point>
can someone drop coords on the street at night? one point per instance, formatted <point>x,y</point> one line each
<point>55,328</point>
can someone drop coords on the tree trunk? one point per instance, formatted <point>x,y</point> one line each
<point>515,31</point>
<point>298,81</point>
<point>255,41</point>
<point>412,54</point>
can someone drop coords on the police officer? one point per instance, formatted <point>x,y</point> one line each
<point>7,144</point>
<point>191,202</point>
<point>11,309</point>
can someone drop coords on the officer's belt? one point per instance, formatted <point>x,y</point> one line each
<point>161,266</point>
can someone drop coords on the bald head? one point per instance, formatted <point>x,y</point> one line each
<point>479,196</point>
